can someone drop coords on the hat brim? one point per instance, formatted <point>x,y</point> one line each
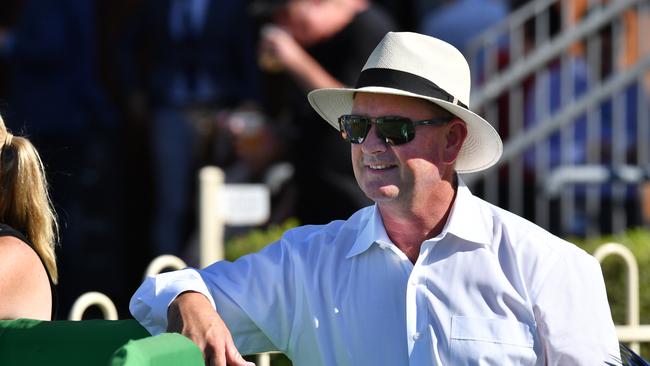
<point>481,149</point>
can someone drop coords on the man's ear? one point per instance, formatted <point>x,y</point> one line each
<point>454,138</point>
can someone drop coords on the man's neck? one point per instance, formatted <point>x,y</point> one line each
<point>408,226</point>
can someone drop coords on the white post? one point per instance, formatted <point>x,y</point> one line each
<point>632,283</point>
<point>93,298</point>
<point>264,359</point>
<point>211,221</point>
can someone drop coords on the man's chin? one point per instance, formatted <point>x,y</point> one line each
<point>383,194</point>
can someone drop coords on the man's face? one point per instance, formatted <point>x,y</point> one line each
<point>408,173</point>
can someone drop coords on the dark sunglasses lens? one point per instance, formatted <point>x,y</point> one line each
<point>396,130</point>
<point>354,128</point>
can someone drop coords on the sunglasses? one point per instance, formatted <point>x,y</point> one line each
<point>393,130</point>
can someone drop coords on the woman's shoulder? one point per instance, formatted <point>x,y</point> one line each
<point>15,254</point>
<point>17,258</point>
<point>23,281</point>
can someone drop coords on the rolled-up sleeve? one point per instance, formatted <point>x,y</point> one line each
<point>150,302</point>
<point>255,296</point>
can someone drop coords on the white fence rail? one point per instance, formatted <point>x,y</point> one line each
<point>103,302</point>
<point>162,263</point>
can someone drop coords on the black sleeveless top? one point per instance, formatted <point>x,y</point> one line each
<point>6,230</point>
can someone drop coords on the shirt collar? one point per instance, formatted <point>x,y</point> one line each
<point>466,221</point>
<point>373,231</point>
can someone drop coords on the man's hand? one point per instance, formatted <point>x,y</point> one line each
<point>192,315</point>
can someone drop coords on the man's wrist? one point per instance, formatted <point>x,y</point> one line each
<point>185,300</point>
<point>186,296</point>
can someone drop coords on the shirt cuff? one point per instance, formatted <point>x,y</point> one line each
<point>150,302</point>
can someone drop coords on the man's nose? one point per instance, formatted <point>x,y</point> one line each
<point>373,144</point>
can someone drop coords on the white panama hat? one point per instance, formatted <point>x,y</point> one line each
<point>415,65</point>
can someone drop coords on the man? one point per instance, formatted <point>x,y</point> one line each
<point>429,275</point>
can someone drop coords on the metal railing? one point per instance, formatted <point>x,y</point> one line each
<point>566,86</point>
<point>85,301</point>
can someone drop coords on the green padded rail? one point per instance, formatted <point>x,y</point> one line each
<point>167,349</point>
<point>28,342</point>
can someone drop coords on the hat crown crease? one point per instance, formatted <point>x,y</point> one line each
<point>427,57</point>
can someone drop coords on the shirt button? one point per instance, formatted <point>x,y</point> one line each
<point>416,336</point>
<point>414,282</point>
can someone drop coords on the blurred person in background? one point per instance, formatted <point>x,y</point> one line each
<point>54,97</point>
<point>317,44</point>
<point>28,230</point>
<point>185,62</point>
<point>261,156</point>
<point>261,150</point>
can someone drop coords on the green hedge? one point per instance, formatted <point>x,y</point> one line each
<point>615,273</point>
<point>256,239</point>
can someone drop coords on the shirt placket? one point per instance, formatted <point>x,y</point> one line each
<point>417,317</point>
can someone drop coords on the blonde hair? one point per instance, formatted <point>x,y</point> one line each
<point>24,201</point>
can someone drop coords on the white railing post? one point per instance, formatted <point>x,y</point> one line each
<point>93,298</point>
<point>211,220</point>
<point>263,359</point>
<point>216,199</point>
<point>633,324</point>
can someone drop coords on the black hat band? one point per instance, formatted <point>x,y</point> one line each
<point>406,81</point>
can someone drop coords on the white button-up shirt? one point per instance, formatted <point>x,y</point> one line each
<point>491,289</point>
